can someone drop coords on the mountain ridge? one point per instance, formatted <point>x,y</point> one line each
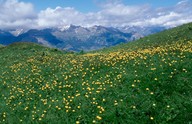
<point>77,38</point>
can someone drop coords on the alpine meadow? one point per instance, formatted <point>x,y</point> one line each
<point>146,81</point>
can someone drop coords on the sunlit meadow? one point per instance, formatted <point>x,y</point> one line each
<point>142,85</point>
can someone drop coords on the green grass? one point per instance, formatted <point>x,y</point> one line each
<point>1,46</point>
<point>146,81</point>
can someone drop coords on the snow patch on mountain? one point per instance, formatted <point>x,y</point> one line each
<point>17,32</point>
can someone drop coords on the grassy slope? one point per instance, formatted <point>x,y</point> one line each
<point>180,33</point>
<point>147,81</point>
<point>1,46</point>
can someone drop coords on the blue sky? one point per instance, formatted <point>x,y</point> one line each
<point>38,14</point>
<point>94,5</point>
<point>81,5</point>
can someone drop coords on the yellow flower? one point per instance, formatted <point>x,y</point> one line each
<point>151,118</point>
<point>116,103</point>
<point>98,117</point>
<point>155,79</point>
<point>77,122</point>
<point>133,107</point>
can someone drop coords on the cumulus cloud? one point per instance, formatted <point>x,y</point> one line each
<point>60,16</point>
<point>111,14</point>
<point>15,14</point>
<point>169,17</point>
<point>118,14</point>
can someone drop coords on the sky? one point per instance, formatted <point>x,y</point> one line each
<point>38,14</point>
<point>94,5</point>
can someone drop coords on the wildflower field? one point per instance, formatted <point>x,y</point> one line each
<point>135,83</point>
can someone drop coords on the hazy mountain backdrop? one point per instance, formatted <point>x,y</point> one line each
<point>78,38</point>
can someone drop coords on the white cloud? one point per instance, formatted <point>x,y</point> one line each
<point>15,14</point>
<point>119,14</point>
<point>59,16</point>
<point>170,17</point>
<point>161,20</point>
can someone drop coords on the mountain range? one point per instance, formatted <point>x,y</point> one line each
<point>77,38</point>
